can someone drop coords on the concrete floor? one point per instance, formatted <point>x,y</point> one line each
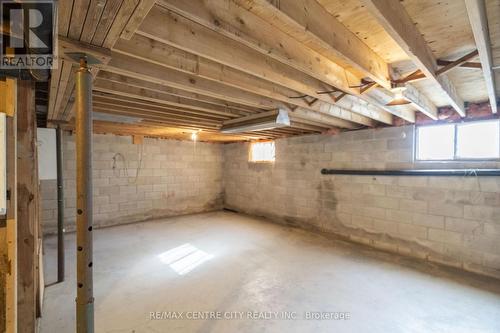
<point>236,264</point>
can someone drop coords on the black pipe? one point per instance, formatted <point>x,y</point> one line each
<point>60,207</point>
<point>415,172</point>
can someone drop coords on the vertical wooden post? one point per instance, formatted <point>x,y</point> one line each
<point>8,227</point>
<point>27,205</point>
<point>11,311</point>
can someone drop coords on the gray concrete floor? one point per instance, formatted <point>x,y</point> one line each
<point>237,264</point>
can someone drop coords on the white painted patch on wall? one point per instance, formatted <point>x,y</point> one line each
<point>47,158</point>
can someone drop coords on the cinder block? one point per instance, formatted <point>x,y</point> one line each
<point>387,227</point>
<point>445,236</point>
<point>412,231</point>
<point>395,191</point>
<point>416,206</point>
<point>427,220</point>
<point>462,225</point>
<point>399,216</point>
<point>413,181</point>
<point>482,213</point>
<point>446,209</point>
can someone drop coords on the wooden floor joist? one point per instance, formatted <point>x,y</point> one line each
<point>232,58</point>
<point>476,9</point>
<point>149,50</point>
<point>231,53</point>
<point>393,17</point>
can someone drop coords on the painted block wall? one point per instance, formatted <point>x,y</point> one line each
<point>137,182</point>
<point>450,220</point>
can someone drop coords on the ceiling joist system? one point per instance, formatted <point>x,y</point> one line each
<point>171,67</point>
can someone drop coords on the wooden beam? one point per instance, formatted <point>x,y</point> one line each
<point>148,114</point>
<point>8,100</point>
<point>76,22</point>
<point>235,22</point>
<point>179,93</point>
<point>106,20</point>
<point>127,66</point>
<point>260,26</point>
<point>57,94</point>
<point>91,22</point>
<point>63,16</point>
<point>157,97</point>
<point>312,25</point>
<point>137,17</point>
<point>187,35</point>
<point>167,121</point>
<point>151,130</point>
<point>190,100</point>
<point>393,17</point>
<point>67,45</point>
<point>129,12</point>
<point>420,101</point>
<point>479,22</point>
<point>27,214</point>
<point>143,104</point>
<point>172,29</point>
<point>156,108</point>
<point>321,118</point>
<point>12,225</point>
<point>151,51</point>
<point>147,71</point>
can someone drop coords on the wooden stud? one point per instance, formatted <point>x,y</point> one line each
<point>27,214</point>
<point>479,22</point>
<point>8,222</point>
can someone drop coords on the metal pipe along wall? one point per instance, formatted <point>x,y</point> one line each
<point>60,207</point>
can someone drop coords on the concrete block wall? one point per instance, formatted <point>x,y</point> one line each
<point>450,220</point>
<point>137,182</point>
<point>48,204</point>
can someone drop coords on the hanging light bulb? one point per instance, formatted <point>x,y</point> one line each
<point>194,136</point>
<point>399,98</point>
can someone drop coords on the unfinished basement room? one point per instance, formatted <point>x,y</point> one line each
<point>250,166</point>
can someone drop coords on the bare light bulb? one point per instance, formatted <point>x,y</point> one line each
<point>194,136</point>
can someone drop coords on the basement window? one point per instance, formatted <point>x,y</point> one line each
<point>478,140</point>
<point>262,151</point>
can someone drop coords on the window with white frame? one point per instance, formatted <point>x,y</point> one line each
<point>262,151</point>
<point>479,140</point>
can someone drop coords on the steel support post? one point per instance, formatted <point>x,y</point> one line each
<point>84,217</point>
